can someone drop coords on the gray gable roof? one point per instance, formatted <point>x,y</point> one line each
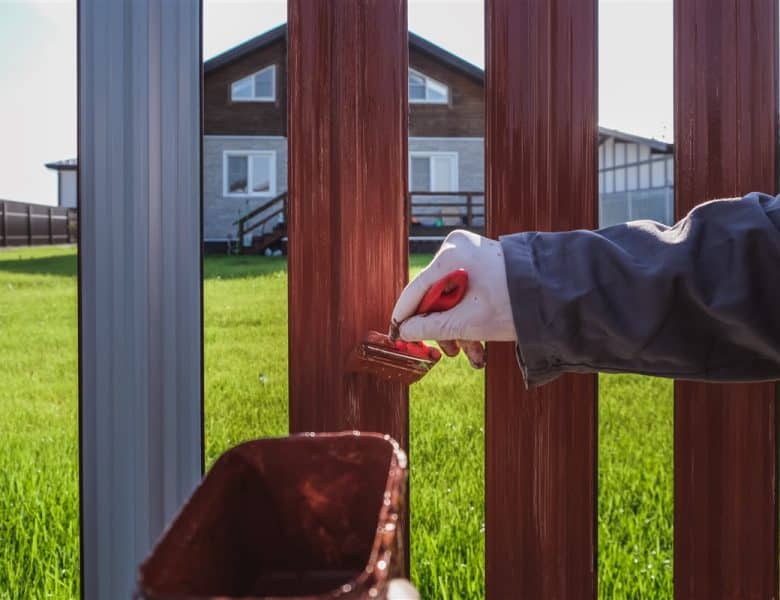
<point>68,164</point>
<point>448,58</point>
<point>657,146</point>
<point>280,32</point>
<point>236,52</point>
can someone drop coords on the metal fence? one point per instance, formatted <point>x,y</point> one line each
<point>23,224</point>
<point>348,149</point>
<point>348,62</point>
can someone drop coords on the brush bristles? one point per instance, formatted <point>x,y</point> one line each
<point>388,363</point>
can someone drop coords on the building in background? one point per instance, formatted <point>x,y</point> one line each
<point>636,178</point>
<point>245,138</point>
<point>67,196</point>
<point>245,150</point>
<point>245,146</point>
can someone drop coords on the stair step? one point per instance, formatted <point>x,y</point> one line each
<point>260,243</point>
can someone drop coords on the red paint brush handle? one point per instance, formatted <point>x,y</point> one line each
<point>445,293</point>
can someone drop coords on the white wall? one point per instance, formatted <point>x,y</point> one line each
<point>67,189</point>
<point>220,211</point>
<point>657,173</point>
<point>634,183</point>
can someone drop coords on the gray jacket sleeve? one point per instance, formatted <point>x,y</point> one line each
<point>699,300</point>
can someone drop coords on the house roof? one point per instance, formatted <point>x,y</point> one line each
<point>68,164</point>
<point>236,52</point>
<point>280,32</point>
<point>448,58</point>
<point>658,146</point>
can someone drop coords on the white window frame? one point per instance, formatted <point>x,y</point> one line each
<point>431,173</point>
<point>248,154</point>
<point>256,98</point>
<point>428,80</point>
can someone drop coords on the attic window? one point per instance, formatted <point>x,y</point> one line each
<point>423,89</point>
<point>257,87</point>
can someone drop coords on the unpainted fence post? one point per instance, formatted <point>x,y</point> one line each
<point>541,174</point>
<point>140,280</point>
<point>4,222</point>
<point>725,455</point>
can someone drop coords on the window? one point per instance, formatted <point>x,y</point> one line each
<point>249,173</point>
<point>423,89</point>
<point>655,204</point>
<point>257,87</point>
<point>433,171</point>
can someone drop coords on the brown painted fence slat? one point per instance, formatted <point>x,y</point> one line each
<point>541,175</point>
<point>348,208</point>
<point>725,527</point>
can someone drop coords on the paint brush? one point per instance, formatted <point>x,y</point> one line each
<point>390,358</point>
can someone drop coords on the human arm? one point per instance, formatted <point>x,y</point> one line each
<point>699,300</point>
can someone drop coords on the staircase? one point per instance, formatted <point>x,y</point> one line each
<point>432,216</point>
<point>262,223</point>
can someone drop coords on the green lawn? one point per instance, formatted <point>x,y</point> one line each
<point>246,363</point>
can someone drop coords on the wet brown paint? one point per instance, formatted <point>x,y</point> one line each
<point>541,175</point>
<point>308,517</point>
<point>725,524</point>
<point>347,113</point>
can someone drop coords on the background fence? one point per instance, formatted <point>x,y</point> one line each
<point>23,224</point>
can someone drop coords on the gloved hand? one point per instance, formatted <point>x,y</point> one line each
<point>401,589</point>
<point>484,314</point>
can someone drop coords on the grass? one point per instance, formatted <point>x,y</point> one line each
<point>246,383</point>
<point>38,425</point>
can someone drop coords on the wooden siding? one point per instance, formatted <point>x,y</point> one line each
<point>222,116</point>
<point>463,116</point>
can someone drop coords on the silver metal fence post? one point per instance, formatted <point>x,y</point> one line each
<point>140,339</point>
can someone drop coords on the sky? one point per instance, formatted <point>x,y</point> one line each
<point>38,70</point>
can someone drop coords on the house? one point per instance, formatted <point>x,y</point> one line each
<point>245,133</point>
<point>636,178</point>
<point>245,149</point>
<point>245,145</point>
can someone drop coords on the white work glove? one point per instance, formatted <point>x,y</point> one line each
<point>484,314</point>
<point>401,589</point>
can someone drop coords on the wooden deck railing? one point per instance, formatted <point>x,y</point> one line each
<point>272,209</point>
<point>432,215</point>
